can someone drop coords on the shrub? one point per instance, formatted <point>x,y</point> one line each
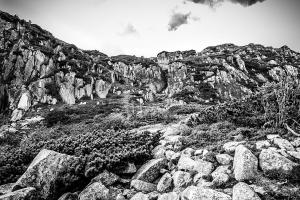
<point>55,117</point>
<point>281,102</point>
<point>154,116</point>
<point>98,149</point>
<point>211,137</point>
<point>275,104</point>
<point>185,109</point>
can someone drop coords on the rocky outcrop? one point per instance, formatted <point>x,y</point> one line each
<point>52,70</point>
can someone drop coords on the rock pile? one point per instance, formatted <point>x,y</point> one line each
<point>242,170</point>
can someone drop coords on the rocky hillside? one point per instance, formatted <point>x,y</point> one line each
<point>219,124</point>
<point>37,68</point>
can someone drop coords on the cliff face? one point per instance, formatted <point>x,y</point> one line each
<point>35,67</point>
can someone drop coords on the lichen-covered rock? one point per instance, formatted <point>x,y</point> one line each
<point>274,164</point>
<point>51,173</point>
<point>199,193</point>
<point>28,193</point>
<point>95,191</point>
<point>142,186</point>
<point>245,164</point>
<point>150,170</point>
<point>165,183</point>
<point>242,191</point>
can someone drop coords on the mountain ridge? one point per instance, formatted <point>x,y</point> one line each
<point>38,68</point>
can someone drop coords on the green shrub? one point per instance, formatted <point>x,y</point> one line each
<point>98,149</point>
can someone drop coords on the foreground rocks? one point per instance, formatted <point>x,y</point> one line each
<point>51,173</point>
<point>239,172</point>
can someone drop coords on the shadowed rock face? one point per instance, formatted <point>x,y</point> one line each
<point>51,70</point>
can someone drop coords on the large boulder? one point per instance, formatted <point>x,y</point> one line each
<point>22,194</point>
<point>245,164</point>
<point>51,173</point>
<point>199,193</point>
<point>242,191</point>
<point>150,170</point>
<point>274,164</point>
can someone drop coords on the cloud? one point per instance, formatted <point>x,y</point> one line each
<point>178,19</point>
<point>129,30</point>
<point>214,3</point>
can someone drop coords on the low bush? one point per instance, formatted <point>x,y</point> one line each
<point>98,149</point>
<point>185,109</point>
<point>154,116</point>
<point>211,137</point>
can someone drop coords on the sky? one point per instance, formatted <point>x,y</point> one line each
<point>147,27</point>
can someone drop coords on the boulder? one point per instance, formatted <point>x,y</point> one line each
<point>273,164</point>
<point>230,147</point>
<point>182,179</point>
<point>140,196</point>
<point>187,164</point>
<point>51,173</point>
<point>106,178</point>
<point>159,152</point>
<point>294,154</point>
<point>16,115</point>
<point>245,164</point>
<point>242,191</point>
<point>150,170</point>
<point>283,144</point>
<point>28,193</point>
<point>222,169</point>
<point>262,144</point>
<point>130,168</point>
<point>220,179</point>
<point>6,188</point>
<point>169,196</point>
<point>224,159</point>
<point>199,193</point>
<point>25,101</point>
<point>165,183</point>
<point>142,186</point>
<point>95,191</point>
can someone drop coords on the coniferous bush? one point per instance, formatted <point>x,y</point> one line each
<point>98,149</point>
